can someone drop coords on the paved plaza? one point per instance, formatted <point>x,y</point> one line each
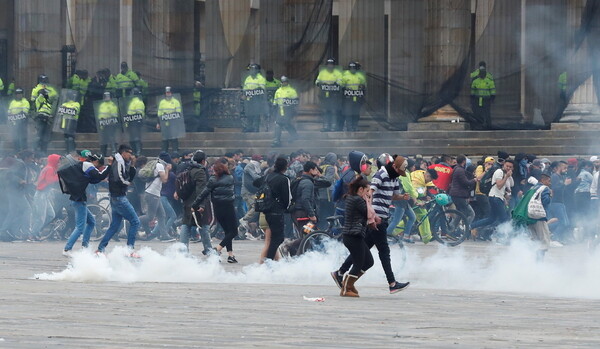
<point>474,296</point>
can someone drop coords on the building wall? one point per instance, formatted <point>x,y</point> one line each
<point>39,36</point>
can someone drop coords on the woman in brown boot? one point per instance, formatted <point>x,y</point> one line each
<point>355,227</point>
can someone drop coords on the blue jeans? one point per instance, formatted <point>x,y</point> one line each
<point>497,215</point>
<point>121,209</point>
<point>170,214</point>
<point>84,224</point>
<point>402,208</point>
<point>559,229</point>
<point>184,236</point>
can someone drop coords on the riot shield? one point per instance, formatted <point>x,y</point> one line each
<point>170,117</point>
<point>354,86</point>
<point>287,100</point>
<point>133,114</point>
<point>254,94</point>
<point>108,122</point>
<point>17,114</point>
<point>67,112</point>
<point>329,83</point>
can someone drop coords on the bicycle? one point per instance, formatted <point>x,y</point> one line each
<point>448,226</point>
<point>317,240</point>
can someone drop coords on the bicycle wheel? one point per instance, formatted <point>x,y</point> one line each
<point>103,219</point>
<point>450,228</point>
<point>104,202</point>
<point>316,241</point>
<point>55,229</point>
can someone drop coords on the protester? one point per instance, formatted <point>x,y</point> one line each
<point>220,188</point>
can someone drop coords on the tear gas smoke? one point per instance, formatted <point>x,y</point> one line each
<point>568,272</point>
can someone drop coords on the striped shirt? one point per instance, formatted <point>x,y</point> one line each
<point>384,188</point>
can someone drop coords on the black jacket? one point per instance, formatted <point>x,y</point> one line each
<point>355,216</point>
<point>221,191</point>
<point>75,178</point>
<point>461,184</point>
<point>304,196</point>
<point>120,177</point>
<point>280,189</point>
<point>198,175</point>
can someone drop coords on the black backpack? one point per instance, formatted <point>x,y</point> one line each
<point>485,185</point>
<point>184,184</point>
<point>264,201</point>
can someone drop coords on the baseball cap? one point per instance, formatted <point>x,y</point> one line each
<point>594,158</point>
<point>489,159</point>
<point>572,162</point>
<point>85,153</point>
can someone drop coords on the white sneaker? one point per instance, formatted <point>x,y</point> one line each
<point>244,224</point>
<point>249,236</point>
<point>555,244</point>
<point>67,254</point>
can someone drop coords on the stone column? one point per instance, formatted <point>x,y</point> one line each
<point>126,31</point>
<point>583,104</point>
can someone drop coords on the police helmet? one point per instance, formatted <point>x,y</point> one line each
<point>331,61</point>
<point>19,91</point>
<point>352,65</point>
<point>106,95</point>
<point>384,159</point>
<point>43,78</point>
<point>284,79</point>
<point>254,66</point>
<point>168,89</point>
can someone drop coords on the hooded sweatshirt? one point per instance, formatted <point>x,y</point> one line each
<point>48,175</point>
<point>355,158</point>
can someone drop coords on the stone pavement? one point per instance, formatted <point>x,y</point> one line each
<point>61,314</point>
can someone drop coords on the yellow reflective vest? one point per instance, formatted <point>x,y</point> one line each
<point>285,96</point>
<point>483,89</point>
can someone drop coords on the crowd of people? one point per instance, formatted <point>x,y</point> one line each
<point>191,197</point>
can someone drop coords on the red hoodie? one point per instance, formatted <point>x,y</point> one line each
<point>48,175</point>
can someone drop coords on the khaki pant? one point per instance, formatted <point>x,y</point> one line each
<point>249,200</point>
<point>541,233</point>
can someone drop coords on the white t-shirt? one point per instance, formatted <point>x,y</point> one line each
<point>156,185</point>
<point>496,192</point>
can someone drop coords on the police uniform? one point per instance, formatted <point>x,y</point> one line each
<point>107,110</point>
<point>286,102</point>
<point>18,109</point>
<point>354,84</point>
<point>43,116</point>
<point>136,108</point>
<point>255,100</point>
<point>330,84</point>
<point>69,125</point>
<point>168,106</point>
<point>483,92</point>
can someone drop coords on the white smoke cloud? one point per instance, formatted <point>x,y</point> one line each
<point>567,272</point>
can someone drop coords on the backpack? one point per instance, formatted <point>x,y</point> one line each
<point>485,185</point>
<point>264,201</point>
<point>68,172</point>
<point>184,184</point>
<point>338,190</point>
<point>146,173</point>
